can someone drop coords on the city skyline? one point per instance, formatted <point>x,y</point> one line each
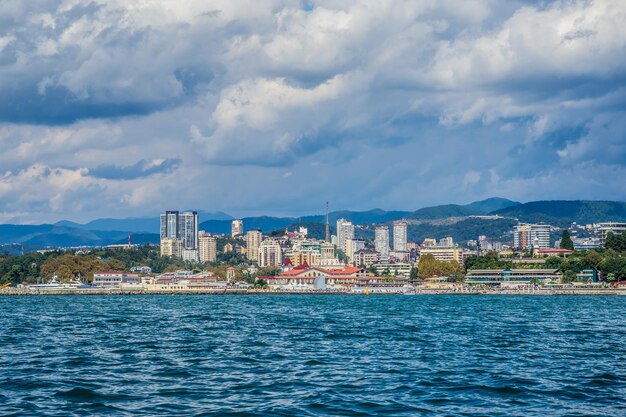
<point>234,107</point>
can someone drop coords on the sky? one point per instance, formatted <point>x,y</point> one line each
<point>111,108</point>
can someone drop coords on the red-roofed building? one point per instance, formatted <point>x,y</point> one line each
<point>554,252</point>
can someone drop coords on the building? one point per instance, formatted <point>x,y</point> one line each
<point>182,226</point>
<point>253,241</point>
<point>188,229</point>
<point>365,257</point>
<point>236,227</point>
<point>396,269</point>
<point>446,242</point>
<point>381,241</point>
<point>399,236</point>
<point>114,278</point>
<point>207,248</point>
<point>270,253</point>
<point>586,243</point>
<point>190,255</point>
<point>353,245</point>
<point>169,224</point>
<point>613,227</point>
<point>512,277</point>
<point>527,236</point>
<point>345,232</point>
<point>171,246</point>
<point>444,254</point>
<point>429,242</point>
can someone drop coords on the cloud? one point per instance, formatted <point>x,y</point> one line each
<point>394,104</point>
<point>142,168</point>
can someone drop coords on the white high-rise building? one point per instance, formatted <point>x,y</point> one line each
<point>446,242</point>
<point>207,248</point>
<point>536,236</point>
<point>253,241</point>
<point>399,236</point>
<point>345,231</point>
<point>270,253</point>
<point>236,227</point>
<point>381,241</point>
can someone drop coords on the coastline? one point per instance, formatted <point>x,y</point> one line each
<point>232,291</point>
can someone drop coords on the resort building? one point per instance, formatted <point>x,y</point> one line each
<point>527,236</point>
<point>444,254</point>
<point>114,278</point>
<point>511,277</point>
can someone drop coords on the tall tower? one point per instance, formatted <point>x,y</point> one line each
<point>327,226</point>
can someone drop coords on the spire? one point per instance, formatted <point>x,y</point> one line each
<point>327,227</point>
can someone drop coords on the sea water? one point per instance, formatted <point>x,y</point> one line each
<point>309,355</point>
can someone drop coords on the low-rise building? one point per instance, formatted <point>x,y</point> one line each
<point>365,257</point>
<point>115,278</point>
<point>444,254</point>
<point>504,277</point>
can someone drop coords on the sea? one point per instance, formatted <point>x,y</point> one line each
<point>313,355</point>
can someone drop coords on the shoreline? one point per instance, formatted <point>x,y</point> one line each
<point>17,292</point>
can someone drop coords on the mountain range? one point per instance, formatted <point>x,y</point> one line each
<point>436,220</point>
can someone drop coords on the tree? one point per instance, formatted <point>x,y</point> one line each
<point>615,242</point>
<point>413,274</point>
<point>566,241</point>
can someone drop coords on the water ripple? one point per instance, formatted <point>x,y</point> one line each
<point>312,355</point>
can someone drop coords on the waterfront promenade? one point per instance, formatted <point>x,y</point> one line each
<point>12,291</point>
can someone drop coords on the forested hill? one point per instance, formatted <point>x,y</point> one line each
<point>562,212</point>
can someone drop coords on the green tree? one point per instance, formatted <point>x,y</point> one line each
<point>566,241</point>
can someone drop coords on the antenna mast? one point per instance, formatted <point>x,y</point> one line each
<point>327,227</point>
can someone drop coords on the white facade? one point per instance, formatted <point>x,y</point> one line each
<point>612,227</point>
<point>114,278</point>
<point>381,241</point>
<point>399,236</point>
<point>345,231</point>
<point>236,228</point>
<point>270,253</point>
<point>535,236</point>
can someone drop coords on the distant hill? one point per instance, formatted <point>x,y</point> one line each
<point>561,212</point>
<point>442,212</point>
<point>137,224</point>
<point>491,204</point>
<point>146,230</point>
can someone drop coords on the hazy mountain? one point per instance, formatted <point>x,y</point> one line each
<point>491,204</point>
<point>137,224</point>
<point>561,213</point>
<point>145,230</point>
<point>442,212</point>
